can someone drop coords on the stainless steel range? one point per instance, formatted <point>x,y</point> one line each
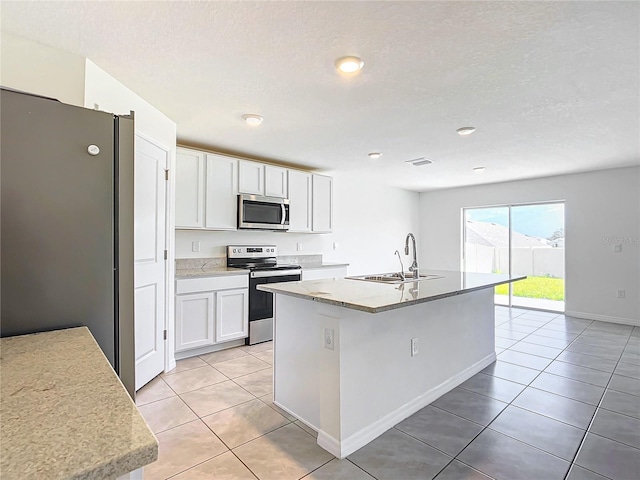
<point>263,264</point>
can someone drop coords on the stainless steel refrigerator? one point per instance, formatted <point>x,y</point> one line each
<point>66,238</point>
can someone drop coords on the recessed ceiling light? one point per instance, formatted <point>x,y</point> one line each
<point>252,119</point>
<point>420,161</point>
<point>349,64</point>
<point>463,131</point>
<point>479,169</point>
<point>375,155</point>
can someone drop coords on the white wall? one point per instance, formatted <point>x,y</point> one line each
<point>370,222</point>
<point>36,68</point>
<point>600,207</point>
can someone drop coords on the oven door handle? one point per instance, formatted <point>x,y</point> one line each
<point>275,273</point>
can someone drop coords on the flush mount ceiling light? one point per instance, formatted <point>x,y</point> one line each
<point>464,131</point>
<point>420,161</point>
<point>479,169</point>
<point>375,155</point>
<point>252,119</point>
<point>349,64</point>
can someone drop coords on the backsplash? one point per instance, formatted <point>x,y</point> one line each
<point>194,263</point>
<point>300,259</point>
<point>214,262</point>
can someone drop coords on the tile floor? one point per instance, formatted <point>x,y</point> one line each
<point>562,401</point>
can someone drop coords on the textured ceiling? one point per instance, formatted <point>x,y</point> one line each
<point>552,87</point>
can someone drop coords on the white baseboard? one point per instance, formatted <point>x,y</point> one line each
<point>210,349</point>
<point>604,318</point>
<point>373,431</point>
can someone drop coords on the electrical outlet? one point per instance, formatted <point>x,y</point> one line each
<point>328,338</point>
<point>621,293</point>
<point>414,347</point>
<point>195,246</point>
<point>299,247</point>
<point>617,247</point>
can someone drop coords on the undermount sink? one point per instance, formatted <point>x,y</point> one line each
<point>394,278</point>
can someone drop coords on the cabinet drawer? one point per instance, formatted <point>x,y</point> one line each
<point>192,285</point>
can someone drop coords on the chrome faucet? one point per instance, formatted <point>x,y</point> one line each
<point>414,266</point>
<point>401,266</point>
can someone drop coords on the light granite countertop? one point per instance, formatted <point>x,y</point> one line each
<point>65,414</point>
<point>373,297</point>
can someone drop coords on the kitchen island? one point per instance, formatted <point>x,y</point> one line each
<point>353,358</point>
<point>65,414</point>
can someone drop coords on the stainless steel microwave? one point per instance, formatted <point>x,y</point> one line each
<point>263,213</point>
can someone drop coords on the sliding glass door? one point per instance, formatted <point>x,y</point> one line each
<point>519,239</point>
<point>486,244</point>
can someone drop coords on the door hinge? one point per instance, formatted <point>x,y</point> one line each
<point>165,334</point>
<point>166,174</point>
<point>166,255</point>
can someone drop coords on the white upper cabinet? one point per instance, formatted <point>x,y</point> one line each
<point>221,197</point>
<point>275,181</point>
<point>208,184</point>
<point>251,177</point>
<point>322,204</point>
<point>299,201</point>
<point>189,189</point>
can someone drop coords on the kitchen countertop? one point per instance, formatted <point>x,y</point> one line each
<point>373,297</point>
<point>65,413</point>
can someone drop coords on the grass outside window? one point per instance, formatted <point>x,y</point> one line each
<point>536,287</point>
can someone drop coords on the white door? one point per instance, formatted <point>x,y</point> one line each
<point>149,251</point>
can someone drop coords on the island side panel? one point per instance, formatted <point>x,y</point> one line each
<point>306,376</point>
<point>369,382</point>
<point>381,383</point>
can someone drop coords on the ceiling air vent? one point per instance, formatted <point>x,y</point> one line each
<point>420,161</point>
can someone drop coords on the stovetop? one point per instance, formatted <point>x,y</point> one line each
<point>256,257</point>
<point>254,267</point>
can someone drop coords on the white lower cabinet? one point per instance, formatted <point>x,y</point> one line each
<point>211,310</point>
<point>194,320</point>
<point>232,314</point>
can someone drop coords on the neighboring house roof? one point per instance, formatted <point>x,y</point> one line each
<point>494,235</point>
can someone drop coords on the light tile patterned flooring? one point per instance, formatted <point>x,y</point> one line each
<point>562,401</point>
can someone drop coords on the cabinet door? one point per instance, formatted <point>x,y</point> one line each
<point>189,189</point>
<point>322,204</point>
<point>194,320</point>
<point>251,177</point>
<point>221,196</point>
<point>232,314</point>
<point>275,182</point>
<point>299,201</point>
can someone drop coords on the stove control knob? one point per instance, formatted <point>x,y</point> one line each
<point>234,250</point>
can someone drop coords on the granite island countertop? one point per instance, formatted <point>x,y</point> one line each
<point>375,297</point>
<point>65,414</point>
